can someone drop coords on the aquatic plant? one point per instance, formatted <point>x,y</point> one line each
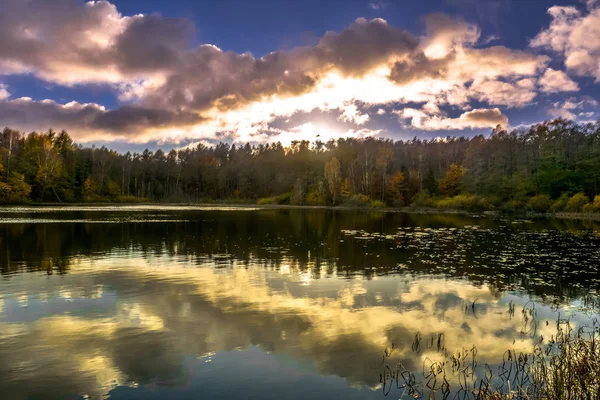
<point>565,366</point>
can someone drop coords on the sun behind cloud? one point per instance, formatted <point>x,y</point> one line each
<point>172,91</point>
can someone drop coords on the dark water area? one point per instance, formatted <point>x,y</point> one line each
<point>159,302</point>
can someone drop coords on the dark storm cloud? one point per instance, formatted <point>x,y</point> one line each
<point>211,76</point>
<point>83,119</point>
<point>152,43</point>
<point>129,117</point>
<point>365,44</point>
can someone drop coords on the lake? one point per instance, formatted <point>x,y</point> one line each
<point>157,302</point>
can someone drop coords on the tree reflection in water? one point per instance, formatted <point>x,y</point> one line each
<point>143,303</point>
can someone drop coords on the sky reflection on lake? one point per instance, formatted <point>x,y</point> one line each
<point>224,306</point>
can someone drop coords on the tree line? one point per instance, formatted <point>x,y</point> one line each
<point>554,165</point>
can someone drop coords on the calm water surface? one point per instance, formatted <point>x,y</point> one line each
<point>174,302</point>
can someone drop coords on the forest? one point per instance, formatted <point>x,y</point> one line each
<point>553,166</point>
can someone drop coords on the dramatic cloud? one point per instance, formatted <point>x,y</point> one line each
<point>66,43</point>
<point>174,90</point>
<point>576,36</point>
<point>92,121</point>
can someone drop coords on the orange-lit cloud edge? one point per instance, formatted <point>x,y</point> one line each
<point>173,93</point>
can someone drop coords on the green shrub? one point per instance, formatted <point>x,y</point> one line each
<point>596,204</point>
<point>559,204</point>
<point>265,200</point>
<point>314,199</point>
<point>377,204</point>
<point>539,203</point>
<point>358,200</point>
<point>576,203</point>
<point>486,203</point>
<point>588,208</point>
<point>466,202</point>
<point>283,198</point>
<point>112,190</point>
<point>445,203</point>
<point>422,199</point>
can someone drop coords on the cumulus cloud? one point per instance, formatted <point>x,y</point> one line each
<point>502,93</point>
<point>496,75</point>
<point>445,34</point>
<point>230,80</point>
<point>4,94</point>
<point>174,89</point>
<point>66,43</point>
<point>576,36</point>
<point>474,119</point>
<point>351,113</point>
<point>554,81</point>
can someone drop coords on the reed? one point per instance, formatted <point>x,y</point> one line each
<point>565,366</point>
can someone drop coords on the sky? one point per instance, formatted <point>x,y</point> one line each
<point>133,74</point>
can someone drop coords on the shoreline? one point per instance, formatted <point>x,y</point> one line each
<point>407,209</point>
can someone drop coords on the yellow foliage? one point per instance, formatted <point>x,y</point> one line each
<point>16,190</point>
<point>393,193</point>
<point>451,185</point>
<point>577,202</point>
<point>265,200</point>
<point>346,189</point>
<point>596,204</point>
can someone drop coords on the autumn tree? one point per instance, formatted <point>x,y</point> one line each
<point>333,174</point>
<point>552,160</point>
<point>451,185</point>
<point>384,156</point>
<point>13,189</point>
<point>89,191</point>
<point>393,189</point>
<point>46,161</point>
<point>345,188</point>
